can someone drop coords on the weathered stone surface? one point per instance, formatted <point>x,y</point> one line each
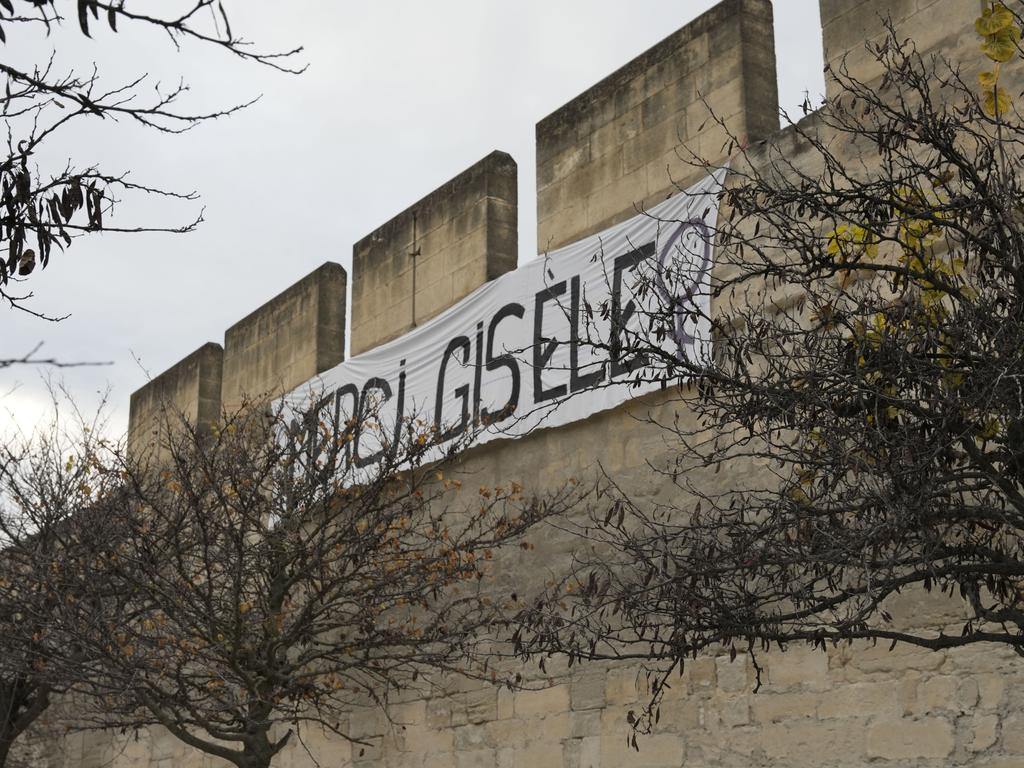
<point>860,700</point>
<point>848,24</point>
<point>612,149</point>
<point>465,235</point>
<point>543,702</point>
<point>899,739</point>
<point>731,675</point>
<point>190,389</point>
<point>984,732</point>
<point>287,341</point>
<point>587,690</point>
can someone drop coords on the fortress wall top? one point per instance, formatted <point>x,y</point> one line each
<point>615,147</point>
<point>191,387</point>
<point>934,25</point>
<point>293,337</point>
<point>465,234</point>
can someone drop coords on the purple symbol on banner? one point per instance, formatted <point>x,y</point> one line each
<point>679,302</point>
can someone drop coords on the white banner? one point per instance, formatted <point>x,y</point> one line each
<point>548,344</point>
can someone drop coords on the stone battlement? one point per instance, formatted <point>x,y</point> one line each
<point>607,153</point>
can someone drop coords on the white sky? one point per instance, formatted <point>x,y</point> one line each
<point>399,97</point>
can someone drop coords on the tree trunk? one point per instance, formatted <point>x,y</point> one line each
<point>5,746</point>
<point>258,751</point>
<point>21,703</point>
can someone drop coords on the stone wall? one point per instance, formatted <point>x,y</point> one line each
<point>465,235</point>
<point>290,339</point>
<point>944,26</point>
<point>189,388</point>
<point>609,150</point>
<point>625,143</point>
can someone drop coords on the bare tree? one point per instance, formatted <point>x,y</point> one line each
<point>46,479</point>
<point>43,207</point>
<point>865,389</point>
<point>277,572</point>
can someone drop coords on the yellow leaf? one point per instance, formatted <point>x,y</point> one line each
<point>851,239</point>
<point>998,50</point>
<point>796,493</point>
<point>996,102</point>
<point>835,238</point>
<point>1002,46</point>
<point>988,79</point>
<point>993,20</point>
<point>989,429</point>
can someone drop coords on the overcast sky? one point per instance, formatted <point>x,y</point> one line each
<point>399,97</point>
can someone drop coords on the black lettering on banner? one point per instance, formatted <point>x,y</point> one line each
<point>459,342</point>
<point>375,383</point>
<point>577,382</point>
<point>542,354</point>
<point>478,368</point>
<point>400,410</point>
<point>314,436</point>
<point>347,437</point>
<point>621,315</point>
<point>493,363</point>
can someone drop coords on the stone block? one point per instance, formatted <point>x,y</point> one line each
<point>505,703</point>
<point>653,751</point>
<point>469,223</point>
<point>469,737</point>
<point>798,666</point>
<point>734,711</point>
<point>509,733</point>
<point>892,739</point>
<point>366,722</point>
<point>770,707</point>
<point>991,690</point>
<point>997,762</point>
<point>539,755</point>
<point>190,389</point>
<point>439,712</point>
<point>585,723</point>
<point>621,686</point>
<point>810,743</point>
<point>587,691</point>
<point>702,673</point>
<point>475,758</point>
<point>287,341</point>
<point>941,694</point>
<point>409,713</point>
<point>860,700</point>
<point>731,675</point>
<point>984,732</point>
<point>848,24</point>
<point>425,740</point>
<point>475,706</point>
<point>1013,734</point>
<point>540,703</point>
<point>638,114</point>
<point>685,715</point>
<point>590,752</point>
